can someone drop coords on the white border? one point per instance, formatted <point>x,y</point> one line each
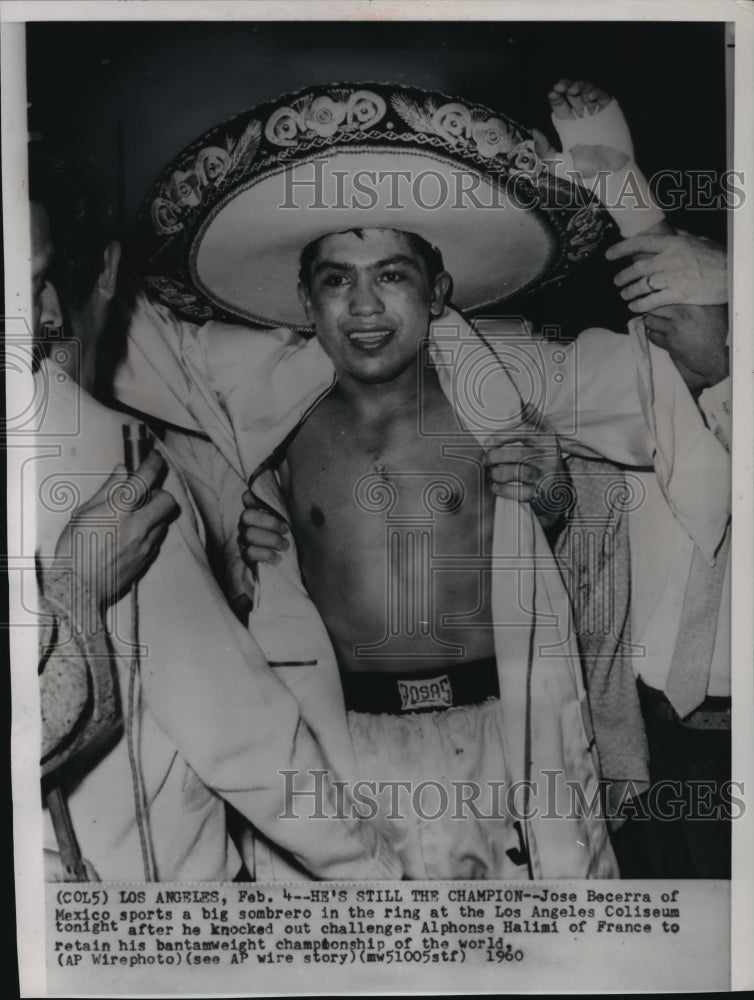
<point>25,697</point>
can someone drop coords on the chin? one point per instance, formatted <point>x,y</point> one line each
<point>374,378</point>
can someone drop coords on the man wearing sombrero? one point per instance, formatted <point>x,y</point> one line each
<point>434,614</point>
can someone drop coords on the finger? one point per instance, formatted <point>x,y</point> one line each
<point>524,472</point>
<point>654,337</point>
<point>149,472</point>
<point>560,106</point>
<point>148,552</point>
<point>161,507</point>
<point>521,492</point>
<point>604,99</point>
<point>511,451</point>
<point>657,325</point>
<point>248,499</point>
<point>637,244</point>
<point>644,286</point>
<point>595,98</point>
<point>647,303</point>
<point>558,101</point>
<point>252,554</point>
<point>575,94</point>
<point>640,268</point>
<point>253,518</point>
<point>155,537</point>
<point>528,450</point>
<point>263,539</point>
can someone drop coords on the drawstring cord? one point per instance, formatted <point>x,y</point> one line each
<point>136,775</point>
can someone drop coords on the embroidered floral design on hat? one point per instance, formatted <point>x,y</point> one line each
<point>452,153</point>
<point>524,160</point>
<point>583,232</point>
<point>283,127</point>
<point>491,137</point>
<point>452,121</point>
<point>457,123</point>
<point>212,164</point>
<point>365,108</point>
<point>324,115</point>
<point>207,169</point>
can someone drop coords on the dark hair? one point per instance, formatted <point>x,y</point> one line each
<point>430,255</point>
<point>82,225</point>
<point>81,219</point>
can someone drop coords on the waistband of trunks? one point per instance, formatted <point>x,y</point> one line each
<point>713,713</point>
<point>422,691</point>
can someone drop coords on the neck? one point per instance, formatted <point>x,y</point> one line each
<point>84,330</point>
<point>378,402</point>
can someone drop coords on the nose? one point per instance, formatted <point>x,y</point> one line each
<point>50,312</point>
<point>365,299</point>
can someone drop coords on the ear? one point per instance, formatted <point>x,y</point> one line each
<point>441,289</point>
<point>108,279</point>
<point>306,301</point>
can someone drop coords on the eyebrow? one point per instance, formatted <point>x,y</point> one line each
<point>334,265</point>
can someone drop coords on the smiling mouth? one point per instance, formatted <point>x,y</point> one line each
<point>369,340</point>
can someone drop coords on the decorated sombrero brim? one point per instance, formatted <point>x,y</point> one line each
<point>221,231</point>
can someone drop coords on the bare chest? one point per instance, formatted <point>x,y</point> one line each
<point>344,479</point>
<point>393,525</point>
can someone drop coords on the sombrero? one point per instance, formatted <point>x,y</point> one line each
<point>221,231</point>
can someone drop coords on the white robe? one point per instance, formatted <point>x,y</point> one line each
<point>247,389</point>
<point>213,719</point>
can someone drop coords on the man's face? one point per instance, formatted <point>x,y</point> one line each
<point>45,306</point>
<point>371,301</point>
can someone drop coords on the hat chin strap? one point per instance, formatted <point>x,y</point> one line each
<point>622,188</point>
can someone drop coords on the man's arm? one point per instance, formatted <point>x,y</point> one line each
<point>235,384</point>
<point>680,282</point>
<point>75,591</point>
<point>598,153</point>
<point>138,512</point>
<point>78,699</point>
<point>670,268</point>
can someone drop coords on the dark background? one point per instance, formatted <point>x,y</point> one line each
<point>134,94</point>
